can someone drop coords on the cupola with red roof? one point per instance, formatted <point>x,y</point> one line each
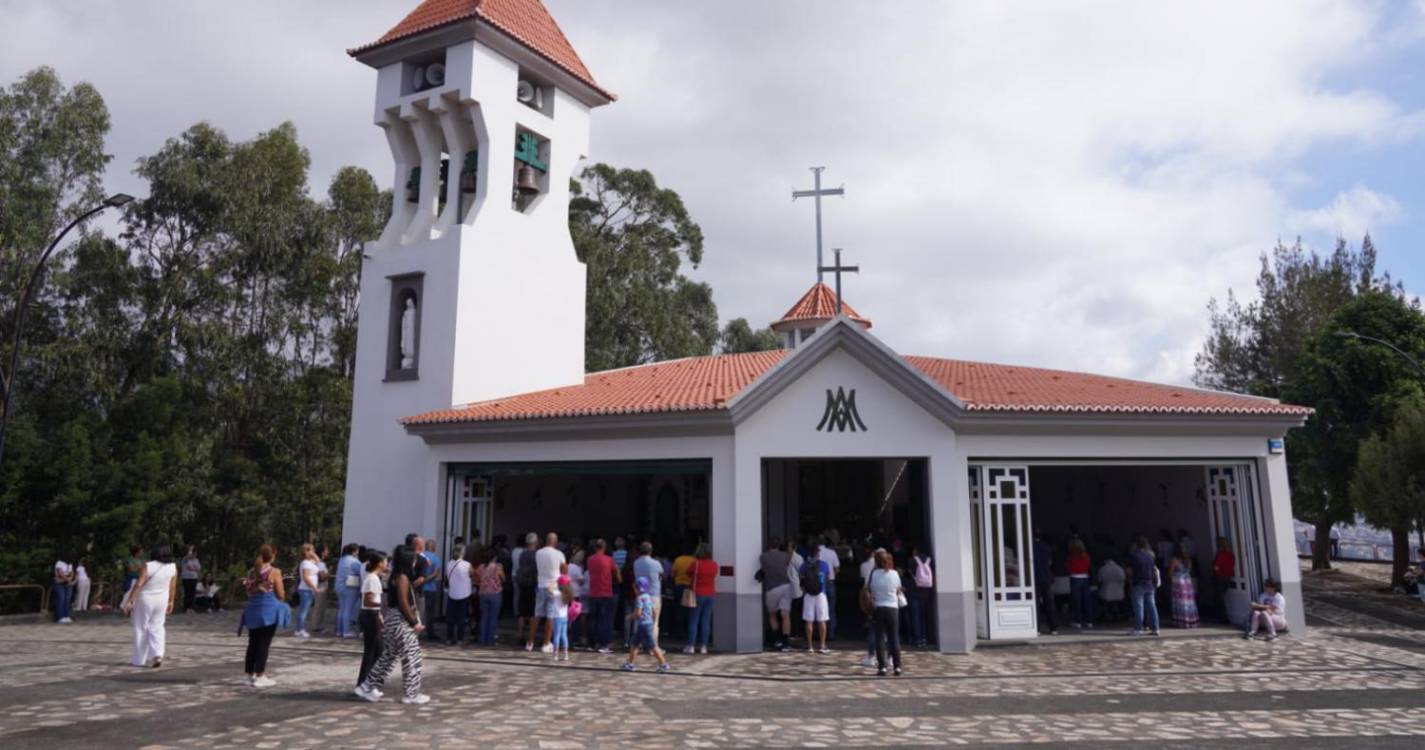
<point>815,308</point>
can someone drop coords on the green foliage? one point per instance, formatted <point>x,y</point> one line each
<point>1355,387</point>
<point>1256,348</point>
<point>634,236</point>
<point>51,164</point>
<point>738,337</point>
<point>1389,481</point>
<point>188,381</point>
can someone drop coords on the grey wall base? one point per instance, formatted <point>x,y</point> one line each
<point>956,621</point>
<point>737,623</point>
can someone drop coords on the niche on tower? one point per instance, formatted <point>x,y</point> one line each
<point>404,329</point>
<point>531,169</point>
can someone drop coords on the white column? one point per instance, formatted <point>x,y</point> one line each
<point>740,513</point>
<point>431,144</point>
<point>405,155</point>
<point>460,137</point>
<point>950,529</point>
<point>1280,536</point>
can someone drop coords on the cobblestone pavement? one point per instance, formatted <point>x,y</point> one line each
<point>1360,684</point>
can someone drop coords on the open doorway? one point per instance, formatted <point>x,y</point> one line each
<point>1029,517</point>
<point>854,505</point>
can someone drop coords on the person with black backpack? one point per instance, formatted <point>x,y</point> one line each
<point>526,582</point>
<point>816,610</point>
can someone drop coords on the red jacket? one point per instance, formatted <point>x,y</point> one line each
<point>1224,565</point>
<point>1077,565</point>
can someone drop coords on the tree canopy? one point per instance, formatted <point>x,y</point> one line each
<point>634,236</point>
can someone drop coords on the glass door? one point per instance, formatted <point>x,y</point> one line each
<point>1008,553</point>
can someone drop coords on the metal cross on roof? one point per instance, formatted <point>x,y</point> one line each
<point>816,193</point>
<point>837,269</point>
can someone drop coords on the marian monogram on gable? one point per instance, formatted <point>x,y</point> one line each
<point>841,414</point>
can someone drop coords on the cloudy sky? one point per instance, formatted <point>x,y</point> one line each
<point>1060,184</point>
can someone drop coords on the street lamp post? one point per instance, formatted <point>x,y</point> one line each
<point>7,379</point>
<point>1387,344</point>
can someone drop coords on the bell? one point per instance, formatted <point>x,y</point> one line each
<point>527,182</point>
<point>467,182</point>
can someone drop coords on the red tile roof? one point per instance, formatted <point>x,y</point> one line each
<point>818,305</point>
<point>707,383</point>
<point>1011,388</point>
<point>526,21</point>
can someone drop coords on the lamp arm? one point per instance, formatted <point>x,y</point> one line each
<point>7,378</point>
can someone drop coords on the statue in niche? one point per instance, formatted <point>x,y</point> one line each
<point>408,335</point>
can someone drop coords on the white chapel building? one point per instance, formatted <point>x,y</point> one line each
<point>473,416</point>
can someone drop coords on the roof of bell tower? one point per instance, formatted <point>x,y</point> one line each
<point>525,21</point>
<point>815,307</point>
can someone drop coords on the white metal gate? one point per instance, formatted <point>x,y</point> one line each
<point>471,509</point>
<point>977,543</point>
<point>1229,500</point>
<point>1007,555</point>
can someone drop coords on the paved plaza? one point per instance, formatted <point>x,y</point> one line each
<point>1355,681</point>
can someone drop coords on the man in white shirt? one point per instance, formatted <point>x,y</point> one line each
<point>550,564</point>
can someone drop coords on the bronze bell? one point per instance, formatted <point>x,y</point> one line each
<point>527,181</point>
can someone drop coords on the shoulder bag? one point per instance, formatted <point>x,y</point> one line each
<point>868,604</point>
<point>690,594</point>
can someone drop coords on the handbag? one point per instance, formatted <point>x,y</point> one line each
<point>867,603</point>
<point>690,594</point>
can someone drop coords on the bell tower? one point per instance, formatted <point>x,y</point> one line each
<point>473,290</point>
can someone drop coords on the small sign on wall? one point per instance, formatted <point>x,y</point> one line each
<point>1276,445</point>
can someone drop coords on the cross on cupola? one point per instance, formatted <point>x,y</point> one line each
<point>820,305</point>
<point>837,269</point>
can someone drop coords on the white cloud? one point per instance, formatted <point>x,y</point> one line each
<point>1052,184</point>
<point>1351,214</point>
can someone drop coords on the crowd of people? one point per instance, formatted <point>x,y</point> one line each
<point>896,591</point>
<point>603,597</point>
<point>1105,586</point>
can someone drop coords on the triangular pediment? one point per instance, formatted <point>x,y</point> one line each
<point>843,334</point>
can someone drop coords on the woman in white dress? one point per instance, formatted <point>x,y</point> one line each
<point>81,587</point>
<point>150,604</point>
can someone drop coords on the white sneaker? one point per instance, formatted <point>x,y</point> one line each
<point>417,700</point>
<point>703,650</point>
<point>366,695</point>
<point>65,621</point>
<point>378,693</point>
<point>868,661</point>
<point>689,650</point>
<point>263,682</point>
<point>547,648</point>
